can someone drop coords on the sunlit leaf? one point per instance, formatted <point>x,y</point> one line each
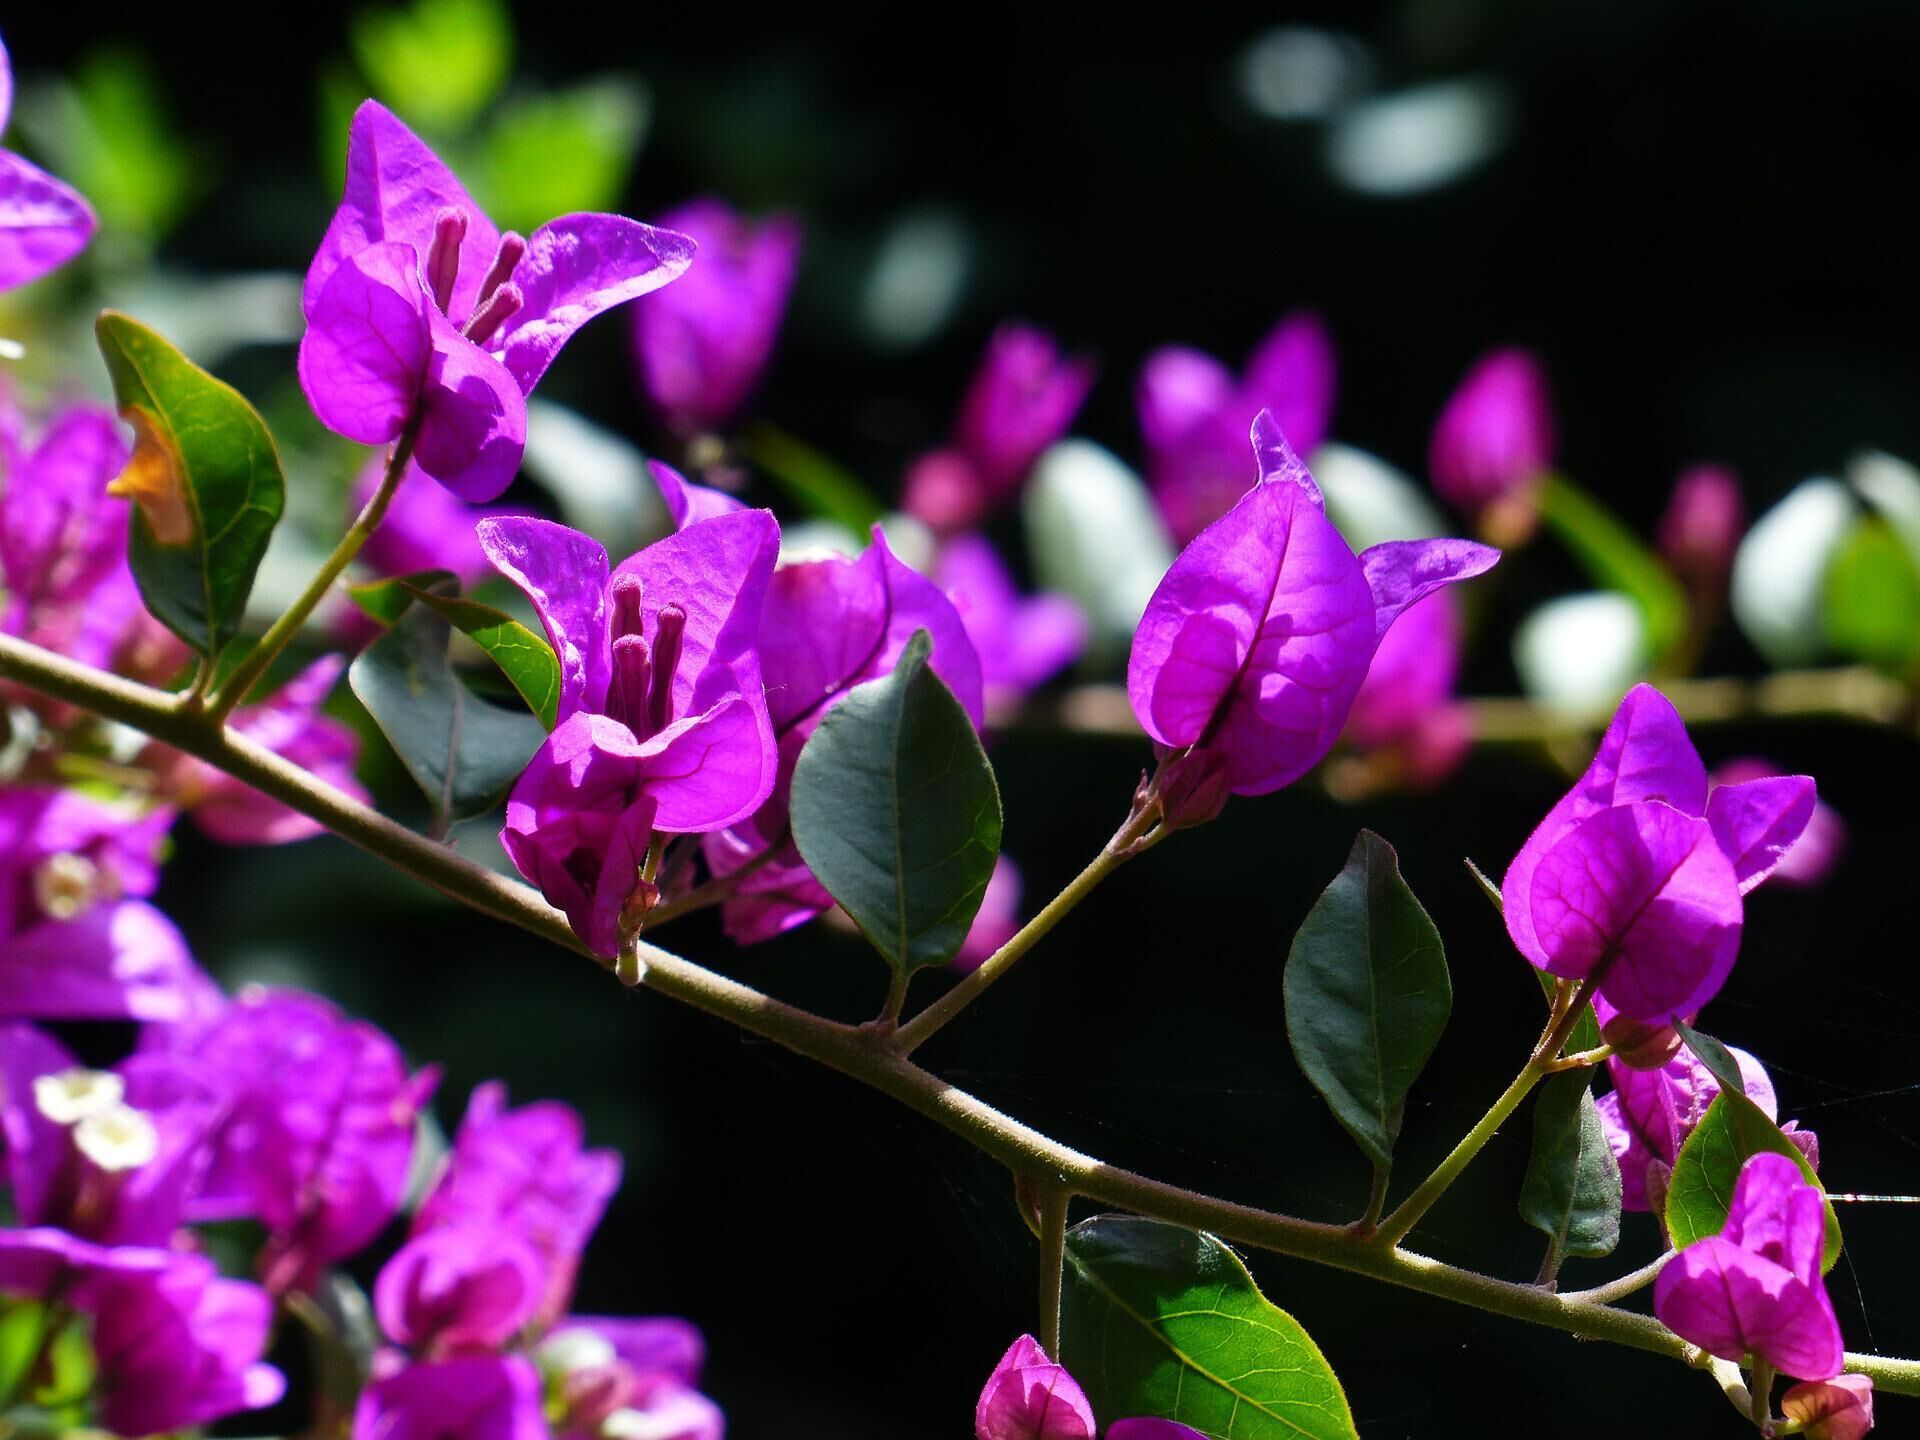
<point>552,154</point>
<point>1165,1322</point>
<point>1872,595</point>
<point>1618,559</point>
<point>438,62</point>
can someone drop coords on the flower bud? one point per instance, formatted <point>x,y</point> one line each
<point>1192,786</point>
<point>1639,1044</point>
<point>1836,1409</point>
<point>1702,527</point>
<point>1495,438</point>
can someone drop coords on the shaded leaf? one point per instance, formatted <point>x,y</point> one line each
<point>387,600</point>
<point>1165,1322</point>
<point>463,752</point>
<point>204,478</point>
<point>526,659</point>
<point>1572,1187</point>
<point>1367,995</point>
<point>896,811</point>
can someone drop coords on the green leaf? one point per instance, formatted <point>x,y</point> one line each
<point>461,750</point>
<point>1616,558</point>
<point>1367,995</point>
<point>1872,597</point>
<point>438,61</point>
<point>526,659</point>
<point>117,145</point>
<point>556,153</point>
<point>813,481</point>
<point>1572,1188</point>
<point>1733,1130</point>
<point>205,480</point>
<point>1165,1322</point>
<point>896,811</point>
<point>1488,887</point>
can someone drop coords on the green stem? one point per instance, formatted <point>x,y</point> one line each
<point>1122,848</point>
<point>1368,1225</point>
<point>282,631</point>
<point>1054,1203</point>
<point>1538,1067</point>
<point>889,1017</point>
<point>848,1049</point>
<point>1629,1284</point>
<point>1760,1391</point>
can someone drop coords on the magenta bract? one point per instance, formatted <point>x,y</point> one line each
<point>459,1287</point>
<point>474,1397</point>
<point>1029,1397</point>
<point>1260,636</point>
<point>1637,873</point>
<point>1755,1288</point>
<point>703,344</point>
<point>418,309</point>
<point>1702,527</point>
<point>1193,415</point>
<point>1495,437</point>
<point>1650,1113</point>
<point>43,223</point>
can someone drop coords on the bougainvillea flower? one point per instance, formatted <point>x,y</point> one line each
<point>1494,440</point>
<point>1029,1397</point>
<point>75,943</point>
<point>1809,859</point>
<point>663,715</point>
<point>43,223</point>
<point>103,1154</point>
<point>686,502</point>
<point>830,624</point>
<point>1406,705</point>
<point>320,1131</point>
<point>472,1397</point>
<point>621,1376</point>
<point>178,1346</point>
<point>1637,872</point>
<point>1193,416</point>
<point>1836,1409</point>
<point>703,344</point>
<point>1023,641</point>
<point>459,1288</point>
<point>998,920</point>
<point>1702,526</point>
<point>1755,1288</point>
<point>525,1172</point>
<point>419,311</point>
<point>1260,636</point>
<point>1650,1113</point>
<point>1023,398</point>
<point>292,725</point>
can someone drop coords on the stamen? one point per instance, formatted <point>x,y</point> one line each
<point>505,259</point>
<point>66,884</point>
<point>73,1095</point>
<point>669,626</point>
<point>625,592</point>
<point>443,260</point>
<point>627,687</point>
<point>118,1139</point>
<point>499,307</point>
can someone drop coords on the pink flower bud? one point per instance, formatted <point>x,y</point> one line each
<point>1836,1409</point>
<point>1702,526</point>
<point>1495,438</point>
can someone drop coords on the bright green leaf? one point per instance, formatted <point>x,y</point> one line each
<point>438,62</point>
<point>813,481</point>
<point>1617,558</point>
<point>896,810</point>
<point>526,659</point>
<point>1367,995</point>
<point>204,478</point>
<point>462,751</point>
<point>1165,1322</point>
<point>116,144</point>
<point>1872,597</point>
<point>1572,1188</point>
<point>556,153</point>
<point>1733,1130</point>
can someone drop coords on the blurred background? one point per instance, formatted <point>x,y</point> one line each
<point>1692,211</point>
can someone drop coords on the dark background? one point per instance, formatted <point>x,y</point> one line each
<point>1700,221</point>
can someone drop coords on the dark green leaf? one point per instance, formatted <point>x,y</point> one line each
<point>814,482</point>
<point>1165,1322</point>
<point>1617,558</point>
<point>1488,887</point>
<point>1367,995</point>
<point>1733,1130</point>
<point>463,752</point>
<point>1715,1056</point>
<point>526,659</point>
<point>1871,608</point>
<point>896,810</point>
<point>205,480</point>
<point>1572,1189</point>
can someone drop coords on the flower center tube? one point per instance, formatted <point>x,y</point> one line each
<point>640,689</point>
<point>498,300</point>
